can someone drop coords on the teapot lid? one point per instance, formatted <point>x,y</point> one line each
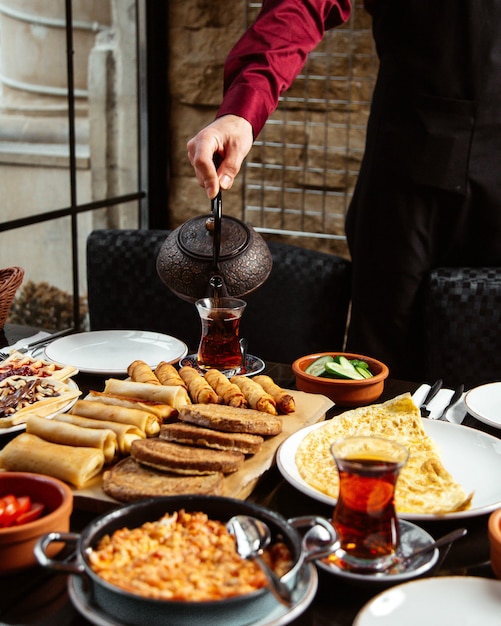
<point>196,239</point>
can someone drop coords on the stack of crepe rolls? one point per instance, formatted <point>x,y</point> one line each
<point>68,434</point>
<point>163,412</point>
<point>165,374</point>
<point>73,453</point>
<point>229,393</point>
<point>143,420</point>
<point>260,393</point>
<point>141,372</point>
<point>199,389</point>
<point>256,397</point>
<point>168,375</point>
<point>174,395</point>
<point>75,446</point>
<point>284,401</point>
<point>150,435</point>
<point>125,433</point>
<point>73,464</point>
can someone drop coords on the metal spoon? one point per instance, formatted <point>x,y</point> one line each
<point>252,536</point>
<point>319,542</point>
<point>446,540</point>
<point>243,349</point>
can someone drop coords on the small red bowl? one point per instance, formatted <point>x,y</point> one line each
<point>344,392</point>
<point>17,542</point>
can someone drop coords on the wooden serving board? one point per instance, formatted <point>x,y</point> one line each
<point>310,409</point>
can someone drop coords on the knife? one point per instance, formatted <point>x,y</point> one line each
<point>435,388</point>
<point>456,396</point>
<point>45,340</point>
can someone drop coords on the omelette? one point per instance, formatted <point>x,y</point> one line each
<point>424,486</point>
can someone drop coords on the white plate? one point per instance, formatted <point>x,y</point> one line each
<point>280,615</point>
<point>108,352</point>
<point>18,427</point>
<point>484,403</point>
<point>412,537</point>
<point>460,600</point>
<point>471,456</point>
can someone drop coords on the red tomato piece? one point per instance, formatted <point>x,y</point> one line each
<point>2,512</point>
<point>12,507</point>
<point>24,504</point>
<point>34,513</point>
<point>10,511</point>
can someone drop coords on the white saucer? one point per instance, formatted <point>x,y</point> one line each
<point>253,365</point>
<point>460,600</point>
<point>484,403</point>
<point>411,538</point>
<point>81,597</point>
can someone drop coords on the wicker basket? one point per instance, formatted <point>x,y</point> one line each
<point>10,280</point>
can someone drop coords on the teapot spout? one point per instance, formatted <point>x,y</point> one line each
<point>217,287</point>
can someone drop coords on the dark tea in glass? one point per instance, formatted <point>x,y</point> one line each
<point>365,517</point>
<point>219,343</point>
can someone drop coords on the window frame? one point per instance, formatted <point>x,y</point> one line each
<point>148,26</point>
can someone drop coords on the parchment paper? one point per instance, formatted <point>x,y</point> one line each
<point>310,409</point>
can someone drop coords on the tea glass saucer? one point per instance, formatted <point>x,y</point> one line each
<point>253,365</point>
<point>412,537</point>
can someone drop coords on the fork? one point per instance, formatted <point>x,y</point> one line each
<point>435,388</point>
<point>36,344</point>
<point>23,350</point>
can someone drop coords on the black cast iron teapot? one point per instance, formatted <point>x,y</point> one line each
<point>210,256</point>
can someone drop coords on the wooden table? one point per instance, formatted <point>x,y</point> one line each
<point>39,597</point>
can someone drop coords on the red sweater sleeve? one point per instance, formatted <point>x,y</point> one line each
<point>272,52</point>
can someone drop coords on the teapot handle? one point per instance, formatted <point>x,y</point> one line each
<point>217,214</point>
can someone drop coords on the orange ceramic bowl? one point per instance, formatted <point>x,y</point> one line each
<point>344,392</point>
<point>495,541</point>
<point>17,542</point>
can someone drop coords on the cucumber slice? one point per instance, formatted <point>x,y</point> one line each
<point>334,370</point>
<point>363,371</point>
<point>317,368</point>
<point>359,363</point>
<point>348,366</point>
<point>340,371</point>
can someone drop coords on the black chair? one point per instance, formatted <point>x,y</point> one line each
<point>125,290</point>
<point>463,320</point>
<point>301,308</point>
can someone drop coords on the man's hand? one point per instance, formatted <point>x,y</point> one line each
<point>227,140</point>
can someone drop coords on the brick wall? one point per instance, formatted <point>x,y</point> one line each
<point>201,32</point>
